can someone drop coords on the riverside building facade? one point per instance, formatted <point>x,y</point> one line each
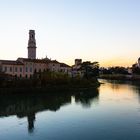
<point>26,67</point>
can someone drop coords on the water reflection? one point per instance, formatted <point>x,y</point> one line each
<point>86,98</point>
<point>31,120</point>
<point>121,87</point>
<point>28,104</point>
<point>137,90</point>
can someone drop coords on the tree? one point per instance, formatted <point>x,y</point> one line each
<point>135,69</point>
<point>115,70</point>
<point>89,69</point>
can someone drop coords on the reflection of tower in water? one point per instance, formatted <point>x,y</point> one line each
<point>27,104</point>
<point>31,120</point>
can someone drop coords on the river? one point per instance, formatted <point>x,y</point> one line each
<point>111,112</point>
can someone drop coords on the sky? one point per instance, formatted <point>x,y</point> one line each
<point>107,31</point>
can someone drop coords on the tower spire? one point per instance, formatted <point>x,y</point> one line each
<point>32,45</point>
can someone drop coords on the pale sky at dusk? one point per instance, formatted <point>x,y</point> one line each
<point>107,31</point>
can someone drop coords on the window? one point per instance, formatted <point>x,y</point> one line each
<point>30,69</point>
<point>35,71</point>
<point>5,69</point>
<point>26,76</point>
<point>15,69</point>
<point>20,69</point>
<point>10,69</point>
<point>26,69</point>
<point>30,76</point>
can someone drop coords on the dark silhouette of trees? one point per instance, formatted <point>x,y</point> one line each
<point>135,69</point>
<point>114,70</point>
<point>90,69</point>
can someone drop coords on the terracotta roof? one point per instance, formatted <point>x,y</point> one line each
<point>11,62</point>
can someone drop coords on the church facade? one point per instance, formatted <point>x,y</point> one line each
<point>25,67</point>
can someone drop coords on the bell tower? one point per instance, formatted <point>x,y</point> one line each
<point>32,45</point>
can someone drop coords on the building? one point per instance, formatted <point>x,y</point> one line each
<point>14,68</point>
<point>76,71</point>
<point>26,67</point>
<point>78,62</point>
<point>64,68</point>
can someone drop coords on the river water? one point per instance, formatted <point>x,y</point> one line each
<point>111,112</point>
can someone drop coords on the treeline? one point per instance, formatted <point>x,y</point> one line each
<point>121,70</point>
<point>121,73</point>
<point>48,79</point>
<point>114,70</point>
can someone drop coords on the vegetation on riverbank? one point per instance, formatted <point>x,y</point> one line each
<point>121,73</point>
<point>50,80</point>
<point>133,77</point>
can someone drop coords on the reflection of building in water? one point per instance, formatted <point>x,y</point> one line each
<point>27,104</point>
